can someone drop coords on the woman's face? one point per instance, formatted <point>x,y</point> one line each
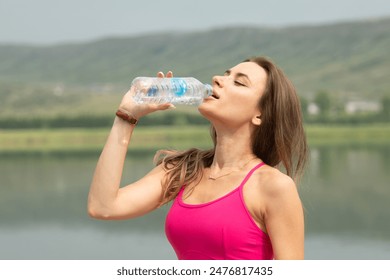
<point>236,95</point>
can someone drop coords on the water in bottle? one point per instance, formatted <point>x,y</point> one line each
<point>181,91</point>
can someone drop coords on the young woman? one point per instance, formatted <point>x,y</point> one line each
<point>237,200</point>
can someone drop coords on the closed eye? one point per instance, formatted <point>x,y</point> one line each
<point>237,83</point>
<point>240,76</point>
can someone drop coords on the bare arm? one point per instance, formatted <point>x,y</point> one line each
<point>284,218</point>
<point>106,199</point>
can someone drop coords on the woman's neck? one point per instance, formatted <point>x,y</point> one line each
<point>232,151</point>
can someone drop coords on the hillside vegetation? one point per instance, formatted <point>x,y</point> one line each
<point>350,60</point>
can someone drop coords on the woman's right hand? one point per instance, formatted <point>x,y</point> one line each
<point>139,110</point>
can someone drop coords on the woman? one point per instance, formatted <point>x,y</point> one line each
<point>230,202</point>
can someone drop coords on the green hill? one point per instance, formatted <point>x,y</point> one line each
<point>348,59</point>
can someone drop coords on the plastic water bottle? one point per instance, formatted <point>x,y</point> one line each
<point>180,91</point>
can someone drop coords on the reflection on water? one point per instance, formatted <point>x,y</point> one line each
<point>61,242</point>
<point>43,209</point>
<point>346,191</point>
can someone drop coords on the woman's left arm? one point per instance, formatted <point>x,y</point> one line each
<point>284,218</point>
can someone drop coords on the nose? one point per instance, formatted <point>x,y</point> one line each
<point>218,80</point>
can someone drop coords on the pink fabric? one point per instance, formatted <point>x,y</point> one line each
<point>222,229</point>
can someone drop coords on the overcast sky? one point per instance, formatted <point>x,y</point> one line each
<point>53,21</point>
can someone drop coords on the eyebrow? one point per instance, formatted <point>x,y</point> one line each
<point>238,74</point>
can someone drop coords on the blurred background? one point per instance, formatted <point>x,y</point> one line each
<point>64,66</point>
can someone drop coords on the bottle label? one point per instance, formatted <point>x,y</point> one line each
<point>179,86</point>
<point>152,91</point>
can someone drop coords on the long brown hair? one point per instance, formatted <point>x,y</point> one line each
<point>279,141</point>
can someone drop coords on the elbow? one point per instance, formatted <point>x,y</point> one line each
<point>92,213</point>
<point>98,212</point>
<point>99,215</point>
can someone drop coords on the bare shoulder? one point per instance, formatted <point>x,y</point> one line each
<point>282,213</point>
<point>271,194</point>
<point>275,183</point>
<point>275,189</point>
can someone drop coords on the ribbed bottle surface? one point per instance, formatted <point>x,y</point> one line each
<point>181,91</point>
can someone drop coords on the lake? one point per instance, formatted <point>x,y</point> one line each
<point>345,192</point>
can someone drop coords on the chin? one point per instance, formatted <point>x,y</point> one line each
<point>205,110</point>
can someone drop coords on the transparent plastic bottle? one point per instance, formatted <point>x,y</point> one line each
<point>181,91</point>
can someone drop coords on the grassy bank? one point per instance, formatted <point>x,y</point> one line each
<point>150,139</point>
<point>91,141</point>
<point>370,134</point>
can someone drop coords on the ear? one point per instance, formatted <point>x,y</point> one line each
<point>256,120</point>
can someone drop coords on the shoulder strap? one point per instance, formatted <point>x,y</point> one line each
<point>250,173</point>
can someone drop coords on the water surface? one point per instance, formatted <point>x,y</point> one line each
<point>43,214</point>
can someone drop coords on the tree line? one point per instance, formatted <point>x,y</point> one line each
<point>330,111</point>
<point>96,121</point>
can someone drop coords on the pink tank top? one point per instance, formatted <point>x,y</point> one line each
<point>222,229</point>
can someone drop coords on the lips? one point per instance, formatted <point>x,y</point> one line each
<point>215,95</point>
